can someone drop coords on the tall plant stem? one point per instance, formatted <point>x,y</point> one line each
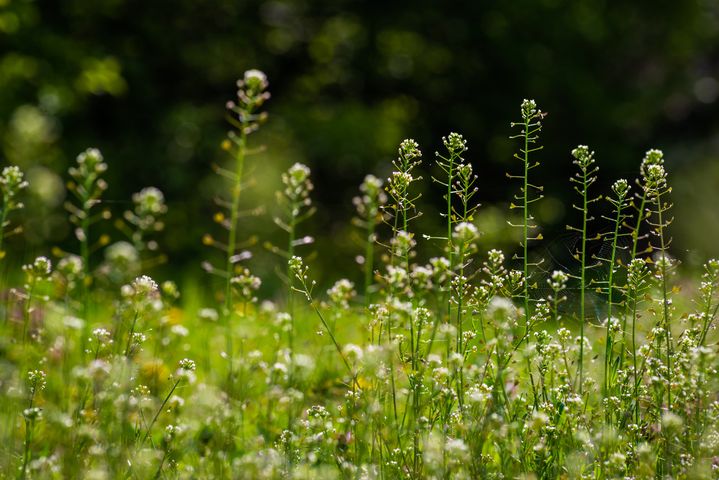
<point>635,232</point>
<point>159,411</point>
<point>369,259</point>
<point>584,159</point>
<point>86,279</point>
<point>29,425</point>
<point>634,360</point>
<point>582,284</point>
<point>610,295</point>
<point>633,308</point>
<point>531,126</point>
<point>450,246</point>
<point>525,229</point>
<point>27,311</point>
<point>665,300</point>
<point>290,282</point>
<point>3,220</point>
<point>231,244</point>
<point>291,311</point>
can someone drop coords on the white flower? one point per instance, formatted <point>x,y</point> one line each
<point>144,286</point>
<point>179,330</point>
<point>150,200</point>
<point>465,232</point>
<point>122,253</point>
<point>36,379</point>
<point>187,365</point>
<point>501,306</point>
<point>353,352</point>
<point>38,269</point>
<point>208,314</point>
<point>255,79</point>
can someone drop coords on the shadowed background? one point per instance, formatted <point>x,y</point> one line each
<point>146,82</point>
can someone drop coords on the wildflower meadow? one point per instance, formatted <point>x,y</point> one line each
<point>439,359</point>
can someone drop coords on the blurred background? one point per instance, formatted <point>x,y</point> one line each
<point>146,82</point>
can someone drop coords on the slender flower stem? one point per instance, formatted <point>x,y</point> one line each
<point>299,275</point>
<point>232,245</point>
<point>3,222</point>
<point>159,411</point>
<point>27,311</point>
<point>666,319</point>
<point>584,159</point>
<point>130,333</point>
<point>369,259</point>
<point>620,188</point>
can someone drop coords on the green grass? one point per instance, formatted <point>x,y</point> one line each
<point>449,362</point>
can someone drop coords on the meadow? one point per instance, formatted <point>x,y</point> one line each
<point>441,360</point>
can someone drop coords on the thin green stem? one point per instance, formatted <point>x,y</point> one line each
<point>159,410</point>
<point>130,333</point>
<point>665,300</point>
<point>29,424</point>
<point>525,228</point>
<point>3,221</point>
<point>610,295</point>
<point>327,328</point>
<point>635,232</point>
<point>290,282</point>
<point>27,310</point>
<point>450,246</point>
<point>86,279</point>
<point>369,256</point>
<point>231,245</point>
<point>634,359</point>
<point>582,279</point>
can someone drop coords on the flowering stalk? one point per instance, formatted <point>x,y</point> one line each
<point>707,289</point>
<point>637,274</point>
<point>87,186</point>
<point>35,273</point>
<point>11,183</point>
<point>403,205</point>
<point>251,94</point>
<point>656,181</point>
<point>368,205</point>
<point>619,203</point>
<point>36,383</point>
<point>297,204</point>
<point>653,186</point>
<point>558,283</point>
<point>142,294</point>
<point>402,210</point>
<point>144,220</point>
<point>295,198</point>
<point>584,159</point>
<point>644,195</point>
<point>530,125</point>
<point>244,117</point>
<point>455,146</point>
<point>646,188</point>
<point>467,233</point>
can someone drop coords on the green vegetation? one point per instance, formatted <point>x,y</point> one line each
<point>450,362</point>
